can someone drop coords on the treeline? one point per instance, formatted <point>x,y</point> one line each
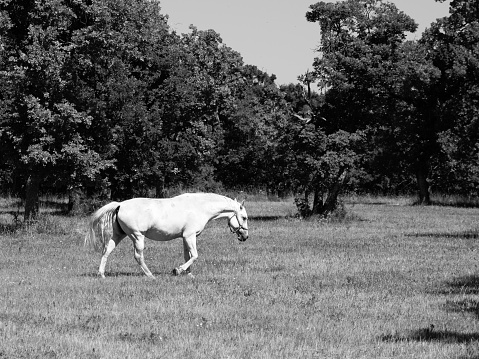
<point>102,98</point>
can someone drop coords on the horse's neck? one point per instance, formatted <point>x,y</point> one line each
<point>223,207</point>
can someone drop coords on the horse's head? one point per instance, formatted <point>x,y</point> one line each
<point>238,222</point>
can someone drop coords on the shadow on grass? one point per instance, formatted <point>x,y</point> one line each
<point>372,203</point>
<point>56,206</point>
<point>460,285</point>
<point>466,285</point>
<point>467,305</point>
<point>147,337</point>
<point>8,228</point>
<point>457,203</point>
<point>266,218</point>
<point>431,335</point>
<point>123,274</point>
<point>471,234</point>
<point>112,274</point>
<point>18,215</point>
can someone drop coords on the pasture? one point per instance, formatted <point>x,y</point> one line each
<point>390,281</point>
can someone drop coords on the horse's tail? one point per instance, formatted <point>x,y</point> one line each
<point>101,224</point>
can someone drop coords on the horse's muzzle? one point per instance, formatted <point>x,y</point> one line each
<point>242,235</point>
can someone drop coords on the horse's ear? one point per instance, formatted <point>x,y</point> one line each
<point>242,203</point>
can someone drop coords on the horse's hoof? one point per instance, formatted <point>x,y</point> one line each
<point>177,271</point>
<point>101,275</point>
<point>190,275</point>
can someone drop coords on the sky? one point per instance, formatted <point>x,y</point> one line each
<point>274,34</point>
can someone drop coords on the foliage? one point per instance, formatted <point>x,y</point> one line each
<point>452,45</point>
<point>410,98</point>
<point>103,100</point>
<point>247,157</point>
<point>43,130</point>
<point>362,67</point>
<point>317,162</point>
<point>197,98</point>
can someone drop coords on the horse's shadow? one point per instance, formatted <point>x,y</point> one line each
<point>123,274</point>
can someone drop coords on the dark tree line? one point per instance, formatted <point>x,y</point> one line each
<point>414,103</point>
<point>102,98</point>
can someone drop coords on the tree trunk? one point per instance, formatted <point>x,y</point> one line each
<point>32,202</point>
<point>318,206</point>
<point>302,204</point>
<point>74,200</point>
<point>332,199</point>
<point>423,186</point>
<point>329,205</point>
<point>160,188</point>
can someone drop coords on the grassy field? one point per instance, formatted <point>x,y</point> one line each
<point>391,281</point>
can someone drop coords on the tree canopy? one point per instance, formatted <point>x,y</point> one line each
<point>400,92</point>
<point>103,98</point>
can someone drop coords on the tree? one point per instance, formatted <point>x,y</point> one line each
<point>120,66</point>
<point>379,83</point>
<point>318,159</point>
<point>198,99</point>
<point>246,157</point>
<point>41,127</point>
<point>452,45</point>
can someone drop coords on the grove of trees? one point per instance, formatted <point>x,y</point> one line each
<point>101,98</point>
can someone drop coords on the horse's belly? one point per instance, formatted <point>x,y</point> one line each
<point>161,234</point>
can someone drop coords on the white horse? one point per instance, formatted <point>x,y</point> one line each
<point>163,220</point>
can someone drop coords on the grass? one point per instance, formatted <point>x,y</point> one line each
<point>397,281</point>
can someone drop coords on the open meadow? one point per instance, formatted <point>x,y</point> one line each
<point>390,280</point>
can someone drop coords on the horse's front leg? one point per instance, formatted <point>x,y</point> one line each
<point>190,254</point>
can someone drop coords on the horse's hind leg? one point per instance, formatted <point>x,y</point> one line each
<point>112,243</point>
<point>187,256</point>
<point>139,245</point>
